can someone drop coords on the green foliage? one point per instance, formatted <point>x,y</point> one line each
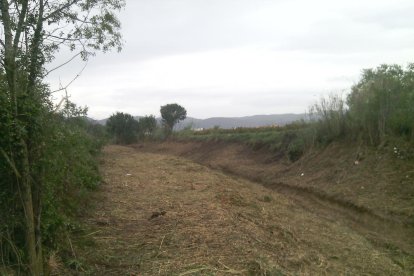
<point>381,104</point>
<point>171,114</point>
<point>147,126</point>
<point>380,108</point>
<point>71,173</point>
<point>33,33</point>
<point>296,149</point>
<point>123,127</point>
<point>289,141</point>
<point>330,117</point>
<point>65,166</point>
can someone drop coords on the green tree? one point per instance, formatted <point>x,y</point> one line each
<point>32,35</point>
<point>382,103</point>
<point>123,127</point>
<point>171,114</point>
<point>147,126</point>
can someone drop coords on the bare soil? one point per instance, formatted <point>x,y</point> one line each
<point>161,214</point>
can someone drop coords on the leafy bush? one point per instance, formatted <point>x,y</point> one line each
<point>147,126</point>
<point>123,127</point>
<point>381,104</point>
<point>72,171</point>
<point>296,149</point>
<point>65,169</point>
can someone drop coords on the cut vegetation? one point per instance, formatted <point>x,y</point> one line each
<point>158,214</point>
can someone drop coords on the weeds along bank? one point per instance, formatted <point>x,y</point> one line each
<point>378,112</point>
<point>288,141</point>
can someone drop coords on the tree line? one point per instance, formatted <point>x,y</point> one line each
<point>124,129</point>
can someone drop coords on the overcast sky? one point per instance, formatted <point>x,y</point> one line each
<point>240,57</point>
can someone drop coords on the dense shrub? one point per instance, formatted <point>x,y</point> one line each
<point>147,126</point>
<point>379,107</point>
<point>381,104</point>
<point>123,128</point>
<point>64,166</point>
<point>72,172</point>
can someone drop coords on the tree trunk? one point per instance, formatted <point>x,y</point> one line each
<point>37,210</point>
<point>34,264</point>
<point>33,244</point>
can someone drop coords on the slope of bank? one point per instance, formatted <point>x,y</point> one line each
<point>371,181</point>
<point>158,214</point>
<point>372,196</point>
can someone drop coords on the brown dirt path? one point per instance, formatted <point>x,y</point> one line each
<point>164,215</point>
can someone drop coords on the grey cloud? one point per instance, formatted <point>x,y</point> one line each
<point>342,37</point>
<point>353,38</point>
<point>394,18</point>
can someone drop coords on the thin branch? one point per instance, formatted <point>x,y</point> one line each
<point>67,5</point>
<point>58,28</point>
<point>83,21</point>
<point>63,38</point>
<point>77,76</point>
<point>63,64</point>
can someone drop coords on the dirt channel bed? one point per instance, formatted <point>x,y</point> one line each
<point>158,214</point>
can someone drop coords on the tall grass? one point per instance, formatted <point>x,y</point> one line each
<point>290,140</point>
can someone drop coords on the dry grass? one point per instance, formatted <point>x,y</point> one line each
<point>54,264</point>
<point>379,182</point>
<point>213,225</point>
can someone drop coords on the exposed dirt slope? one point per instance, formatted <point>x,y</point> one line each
<point>158,214</point>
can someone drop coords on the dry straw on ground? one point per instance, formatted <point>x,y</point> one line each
<point>209,223</point>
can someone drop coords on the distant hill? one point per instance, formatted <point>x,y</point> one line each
<point>232,122</point>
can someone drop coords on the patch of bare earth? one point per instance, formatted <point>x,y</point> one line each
<point>159,214</point>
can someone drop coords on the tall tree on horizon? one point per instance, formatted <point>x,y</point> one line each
<point>171,114</point>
